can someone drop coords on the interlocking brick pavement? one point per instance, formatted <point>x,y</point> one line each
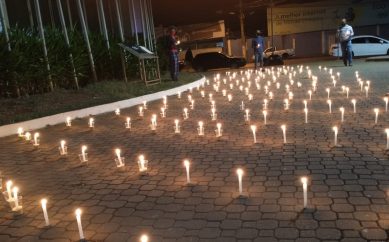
<point>347,190</point>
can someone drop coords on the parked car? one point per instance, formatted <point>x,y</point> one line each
<point>285,54</point>
<point>364,45</point>
<point>214,60</point>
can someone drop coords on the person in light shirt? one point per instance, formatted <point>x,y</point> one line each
<point>345,32</point>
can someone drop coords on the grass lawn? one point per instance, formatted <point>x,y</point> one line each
<point>59,101</point>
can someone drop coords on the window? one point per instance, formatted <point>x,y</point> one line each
<point>361,40</point>
<point>372,40</point>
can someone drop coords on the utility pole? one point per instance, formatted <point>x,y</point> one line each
<point>242,32</point>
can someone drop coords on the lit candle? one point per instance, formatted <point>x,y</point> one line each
<point>44,208</point>
<point>185,113</point>
<point>387,138</point>
<point>78,217</point>
<point>187,166</point>
<point>68,121</point>
<point>91,122</point>
<point>202,93</point>
<point>20,132</point>
<point>84,155</point>
<point>354,102</point>
<point>192,103</point>
<point>347,91</point>
<point>304,181</point>
<point>224,92</point>
<point>329,105</point>
<point>117,111</point>
<point>250,96</point>
<point>8,185</point>
<point>140,112</point>
<point>310,94</point>
<point>335,129</point>
<point>283,127</point>
<point>176,126</point>
<point>239,172</point>
<point>63,149</point>
<point>219,130</point>
<point>341,109</point>
<point>367,91</point>
<point>153,122</point>
<point>128,123</point>
<point>142,163</point>
<point>247,115</point>
<point>305,103</point>
<point>386,99</point>
<point>200,129</point>
<point>213,114</point>
<point>286,104</point>
<point>210,97</point>
<point>242,106</point>
<point>213,104</point>
<point>36,139</point>
<point>15,191</point>
<point>189,98</point>
<point>229,97</point>
<point>254,130</point>
<point>264,112</point>
<point>144,105</point>
<point>328,93</point>
<point>119,158</point>
<point>376,111</point>
<point>306,115</point>
<point>144,238</point>
<point>265,102</point>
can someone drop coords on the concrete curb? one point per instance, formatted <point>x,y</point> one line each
<point>11,129</point>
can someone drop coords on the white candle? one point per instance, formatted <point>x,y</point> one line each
<point>328,93</point>
<point>189,98</point>
<point>63,147</point>
<point>9,191</point>
<point>376,111</point>
<point>187,166</point>
<point>304,181</point>
<point>192,102</point>
<point>144,238</point>
<point>44,208</point>
<point>91,122</point>
<point>265,102</point>
<point>142,163</point>
<point>164,102</point>
<point>202,94</point>
<point>264,112</point>
<point>68,121</point>
<point>367,91</point>
<point>176,126</point>
<point>347,91</point>
<point>305,103</point>
<point>200,129</point>
<point>83,153</point>
<point>242,106</point>
<point>310,94</point>
<point>224,92</point>
<point>140,112</point>
<point>219,130</point>
<point>213,114</point>
<point>153,122</point>
<point>15,191</point>
<point>386,99</point>
<point>36,139</point>
<point>329,105</point>
<point>354,102</point>
<point>119,157</point>
<point>185,114</point>
<point>250,96</point>
<point>117,111</point>
<point>239,172</point>
<point>335,129</point>
<point>213,104</point>
<point>179,95</point>
<point>283,127</point>
<point>229,97</point>
<point>128,123</point>
<point>306,115</point>
<point>145,105</point>
<point>341,109</point>
<point>286,104</point>
<point>247,115</point>
<point>254,130</point>
<point>20,132</point>
<point>78,217</point>
<point>387,138</point>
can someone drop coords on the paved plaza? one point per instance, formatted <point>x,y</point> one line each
<point>347,186</point>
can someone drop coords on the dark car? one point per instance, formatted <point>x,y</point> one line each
<point>214,60</point>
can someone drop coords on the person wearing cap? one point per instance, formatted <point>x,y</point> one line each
<point>258,46</point>
<point>345,32</point>
<point>172,43</point>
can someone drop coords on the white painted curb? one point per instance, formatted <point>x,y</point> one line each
<point>11,129</point>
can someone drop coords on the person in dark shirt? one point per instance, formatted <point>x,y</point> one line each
<point>258,46</point>
<point>172,43</point>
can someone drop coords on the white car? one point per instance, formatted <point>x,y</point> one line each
<point>364,45</point>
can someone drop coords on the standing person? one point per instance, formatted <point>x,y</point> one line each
<point>258,45</point>
<point>172,43</point>
<point>345,33</point>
